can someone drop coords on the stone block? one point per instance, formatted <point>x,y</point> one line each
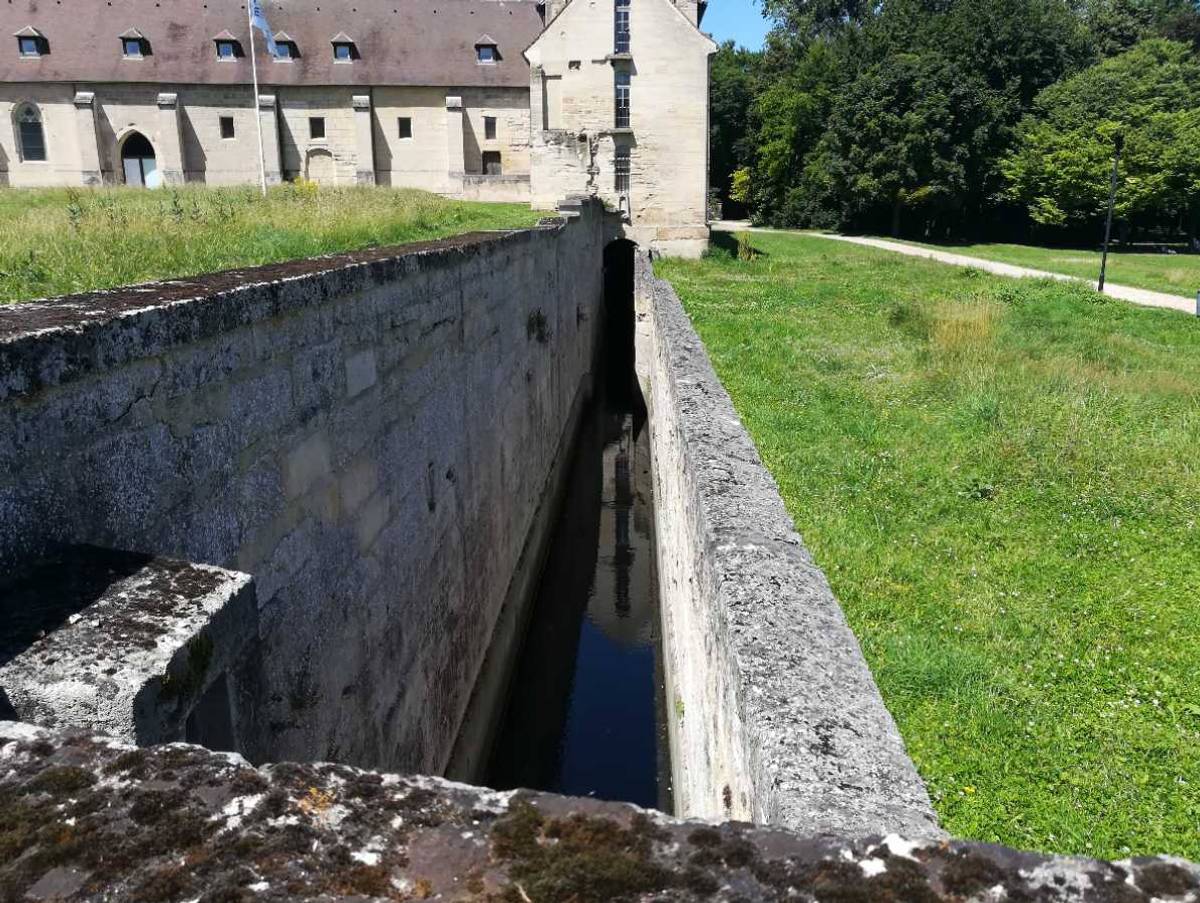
<point>306,465</point>
<point>360,372</point>
<point>371,519</point>
<point>121,644</point>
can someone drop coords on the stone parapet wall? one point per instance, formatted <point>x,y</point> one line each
<point>85,818</point>
<point>369,436</point>
<point>774,715</point>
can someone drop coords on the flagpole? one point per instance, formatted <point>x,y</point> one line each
<point>262,154</point>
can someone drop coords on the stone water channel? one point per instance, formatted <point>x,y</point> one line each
<point>585,714</point>
<point>366,494</point>
<point>336,511</point>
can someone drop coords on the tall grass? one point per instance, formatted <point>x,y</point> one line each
<point>1000,478</point>
<point>55,242</point>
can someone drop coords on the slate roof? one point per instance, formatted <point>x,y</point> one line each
<point>400,42</point>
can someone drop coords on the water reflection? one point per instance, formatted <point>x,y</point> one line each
<point>585,710</point>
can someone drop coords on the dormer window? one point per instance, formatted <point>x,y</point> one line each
<point>228,47</point>
<point>134,45</point>
<point>31,43</point>
<point>487,51</point>
<point>344,48</point>
<point>285,48</point>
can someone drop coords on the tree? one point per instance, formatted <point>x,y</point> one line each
<point>907,135</point>
<point>1060,167</point>
<point>788,118</point>
<point>731,95</point>
<point>1117,25</point>
<point>813,17</point>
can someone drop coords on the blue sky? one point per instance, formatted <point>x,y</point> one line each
<point>740,20</point>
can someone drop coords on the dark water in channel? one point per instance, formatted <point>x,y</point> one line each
<point>586,714</point>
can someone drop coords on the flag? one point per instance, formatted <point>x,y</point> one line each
<point>258,19</point>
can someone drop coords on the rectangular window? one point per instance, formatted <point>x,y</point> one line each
<point>29,46</point>
<point>621,41</point>
<point>285,50</point>
<point>485,53</point>
<point>405,126</point>
<point>343,53</point>
<point>226,50</point>
<point>132,48</point>
<point>227,130</point>
<point>316,127</point>
<point>622,100</point>
<point>489,128</point>
<point>621,170</point>
<point>491,163</point>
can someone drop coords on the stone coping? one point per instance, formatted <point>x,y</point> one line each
<point>121,643</point>
<point>49,342</point>
<point>822,750</point>
<point>88,818</point>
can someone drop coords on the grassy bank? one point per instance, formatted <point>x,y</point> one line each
<point>1175,274</point>
<point>54,242</point>
<point>1000,478</point>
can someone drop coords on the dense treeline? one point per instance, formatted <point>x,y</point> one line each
<point>964,118</point>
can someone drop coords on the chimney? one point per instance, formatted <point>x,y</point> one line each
<point>691,9</point>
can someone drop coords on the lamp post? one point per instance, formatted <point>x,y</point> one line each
<point>1118,144</point>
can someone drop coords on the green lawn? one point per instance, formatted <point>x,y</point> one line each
<point>1175,274</point>
<point>1002,480</point>
<point>54,242</point>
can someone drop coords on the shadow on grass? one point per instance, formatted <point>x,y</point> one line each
<point>726,244</point>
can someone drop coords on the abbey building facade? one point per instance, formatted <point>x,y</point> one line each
<point>506,100</point>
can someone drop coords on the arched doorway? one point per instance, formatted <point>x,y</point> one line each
<point>139,162</point>
<point>319,167</point>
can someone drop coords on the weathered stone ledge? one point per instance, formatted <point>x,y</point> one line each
<point>122,643</point>
<point>89,818</point>
<point>47,342</point>
<point>779,720</point>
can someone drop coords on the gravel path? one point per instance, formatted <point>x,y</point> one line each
<point>1141,296</point>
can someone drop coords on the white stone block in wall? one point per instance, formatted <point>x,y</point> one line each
<point>360,372</point>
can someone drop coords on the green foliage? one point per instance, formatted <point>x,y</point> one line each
<point>730,100</point>
<point>914,115</point>
<point>740,188</point>
<point>1060,168</point>
<point>815,16</point>
<point>908,134</point>
<point>1117,25</point>
<point>998,477</point>
<point>56,242</point>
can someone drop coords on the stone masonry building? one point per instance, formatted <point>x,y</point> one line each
<point>502,100</point>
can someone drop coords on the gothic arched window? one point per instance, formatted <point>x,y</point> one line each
<point>31,137</point>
